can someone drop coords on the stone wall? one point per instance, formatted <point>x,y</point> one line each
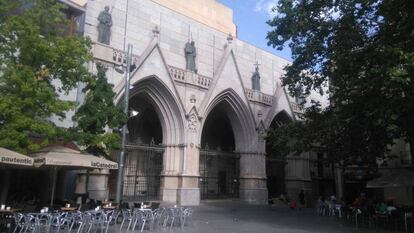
<point>175,30</point>
<point>184,99</point>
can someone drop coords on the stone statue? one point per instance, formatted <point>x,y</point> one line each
<point>190,54</point>
<point>104,26</point>
<point>256,79</point>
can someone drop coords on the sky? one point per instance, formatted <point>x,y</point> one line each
<point>250,16</point>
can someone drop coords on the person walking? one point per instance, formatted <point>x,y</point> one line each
<point>301,199</point>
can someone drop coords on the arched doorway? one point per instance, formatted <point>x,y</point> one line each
<point>275,162</point>
<point>154,125</point>
<point>219,165</point>
<point>143,161</point>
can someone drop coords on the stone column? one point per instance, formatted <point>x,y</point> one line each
<point>96,186</point>
<point>172,169</point>
<point>253,178</point>
<point>189,192</point>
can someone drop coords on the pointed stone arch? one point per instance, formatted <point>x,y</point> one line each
<point>282,117</point>
<point>169,112</point>
<point>276,162</point>
<point>171,115</point>
<point>241,121</point>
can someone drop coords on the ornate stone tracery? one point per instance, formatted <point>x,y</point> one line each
<point>192,120</point>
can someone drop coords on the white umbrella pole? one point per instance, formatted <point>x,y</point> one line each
<point>53,186</point>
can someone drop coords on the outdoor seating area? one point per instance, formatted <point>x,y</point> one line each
<point>101,219</point>
<point>379,215</point>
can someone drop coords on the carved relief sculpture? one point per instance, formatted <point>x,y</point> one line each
<point>104,26</point>
<point>192,122</point>
<point>190,54</point>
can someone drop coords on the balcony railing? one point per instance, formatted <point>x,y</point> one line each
<point>183,76</point>
<point>259,97</point>
<point>108,54</point>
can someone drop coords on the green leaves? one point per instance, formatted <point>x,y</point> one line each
<point>365,50</point>
<point>34,52</point>
<point>97,113</point>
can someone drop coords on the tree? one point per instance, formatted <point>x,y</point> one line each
<point>35,54</point>
<point>97,113</point>
<point>363,52</point>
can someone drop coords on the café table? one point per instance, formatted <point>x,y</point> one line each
<point>107,207</point>
<point>68,209</point>
<point>9,211</point>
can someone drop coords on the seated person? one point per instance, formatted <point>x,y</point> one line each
<point>382,208</point>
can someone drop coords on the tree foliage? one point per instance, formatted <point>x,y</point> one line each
<point>362,51</point>
<point>35,55</point>
<point>97,113</point>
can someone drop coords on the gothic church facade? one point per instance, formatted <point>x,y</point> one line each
<point>200,113</point>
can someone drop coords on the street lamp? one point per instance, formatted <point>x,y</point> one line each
<point>121,162</point>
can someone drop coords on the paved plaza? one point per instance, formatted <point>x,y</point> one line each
<point>235,217</point>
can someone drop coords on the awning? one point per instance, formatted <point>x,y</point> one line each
<point>59,156</point>
<point>63,157</point>
<point>397,178</point>
<point>13,158</point>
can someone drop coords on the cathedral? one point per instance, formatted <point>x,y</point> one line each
<point>200,103</point>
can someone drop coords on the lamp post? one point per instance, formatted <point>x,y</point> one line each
<point>121,162</point>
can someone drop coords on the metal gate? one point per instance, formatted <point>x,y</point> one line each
<point>143,165</point>
<point>219,175</point>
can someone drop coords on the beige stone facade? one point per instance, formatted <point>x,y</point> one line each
<point>207,126</point>
<point>199,135</point>
<point>209,12</point>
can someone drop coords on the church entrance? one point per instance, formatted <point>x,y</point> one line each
<point>219,175</point>
<point>275,161</point>
<point>142,172</point>
<point>219,165</point>
<point>144,157</point>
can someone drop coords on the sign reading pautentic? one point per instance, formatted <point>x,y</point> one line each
<point>14,160</point>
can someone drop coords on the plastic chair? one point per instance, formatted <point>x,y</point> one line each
<point>109,218</point>
<point>127,215</point>
<point>173,214</point>
<point>76,220</point>
<point>187,213</point>
<point>60,220</point>
<point>141,217</point>
<point>19,221</point>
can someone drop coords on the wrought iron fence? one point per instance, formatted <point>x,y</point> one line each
<point>143,167</point>
<point>219,175</point>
